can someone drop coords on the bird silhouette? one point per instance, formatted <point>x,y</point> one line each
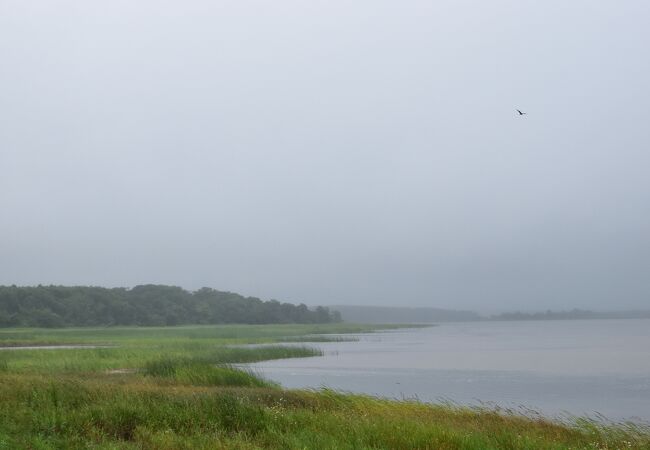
<point>521,113</point>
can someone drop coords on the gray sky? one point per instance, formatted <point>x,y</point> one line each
<point>362,152</point>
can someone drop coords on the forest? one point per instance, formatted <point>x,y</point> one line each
<point>145,305</point>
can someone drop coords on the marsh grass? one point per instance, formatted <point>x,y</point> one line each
<point>144,411</point>
<point>198,372</point>
<point>223,334</point>
<point>181,391</point>
<point>130,348</point>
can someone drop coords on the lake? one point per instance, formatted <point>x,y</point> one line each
<point>558,368</point>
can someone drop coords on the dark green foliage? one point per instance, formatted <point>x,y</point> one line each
<point>148,305</point>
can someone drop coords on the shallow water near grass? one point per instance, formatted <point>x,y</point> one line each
<point>558,368</point>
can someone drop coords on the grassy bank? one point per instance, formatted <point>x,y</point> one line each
<point>132,347</point>
<point>175,389</point>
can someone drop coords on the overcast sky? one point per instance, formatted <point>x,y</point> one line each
<point>327,152</point>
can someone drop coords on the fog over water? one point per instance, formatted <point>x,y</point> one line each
<point>330,152</point>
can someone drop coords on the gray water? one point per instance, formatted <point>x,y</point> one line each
<point>558,368</point>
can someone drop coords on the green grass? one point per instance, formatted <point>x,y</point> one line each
<point>177,389</point>
<point>196,372</point>
<point>130,347</point>
<point>223,334</point>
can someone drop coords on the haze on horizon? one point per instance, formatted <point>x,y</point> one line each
<point>330,152</point>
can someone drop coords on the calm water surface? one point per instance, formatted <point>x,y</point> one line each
<point>558,368</point>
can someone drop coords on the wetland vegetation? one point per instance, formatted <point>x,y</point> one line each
<point>177,388</point>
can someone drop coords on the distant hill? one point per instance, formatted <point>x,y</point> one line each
<point>572,315</point>
<point>150,305</point>
<point>390,314</point>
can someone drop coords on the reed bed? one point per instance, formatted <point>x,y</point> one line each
<point>175,392</point>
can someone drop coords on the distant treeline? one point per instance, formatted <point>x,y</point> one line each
<point>572,315</point>
<point>396,314</point>
<point>393,314</point>
<point>148,305</point>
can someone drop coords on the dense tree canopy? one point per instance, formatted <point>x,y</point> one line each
<point>153,305</point>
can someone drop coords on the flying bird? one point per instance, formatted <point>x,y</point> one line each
<point>521,113</point>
